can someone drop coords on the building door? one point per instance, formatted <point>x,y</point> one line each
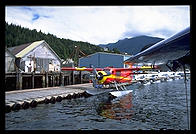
<point>42,64</point>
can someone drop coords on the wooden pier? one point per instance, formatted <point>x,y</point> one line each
<point>18,81</point>
<point>23,99</point>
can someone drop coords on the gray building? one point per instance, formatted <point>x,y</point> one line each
<point>103,59</point>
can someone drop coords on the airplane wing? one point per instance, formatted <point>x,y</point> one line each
<point>80,69</point>
<point>101,69</point>
<point>136,68</point>
<point>170,49</point>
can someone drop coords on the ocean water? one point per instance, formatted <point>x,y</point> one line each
<point>149,107</point>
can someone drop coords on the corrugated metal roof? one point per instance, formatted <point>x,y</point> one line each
<point>22,50</point>
<point>104,53</point>
<point>17,49</point>
<point>29,48</point>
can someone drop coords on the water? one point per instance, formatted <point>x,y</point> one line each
<point>153,106</point>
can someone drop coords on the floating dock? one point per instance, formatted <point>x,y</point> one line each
<point>23,99</point>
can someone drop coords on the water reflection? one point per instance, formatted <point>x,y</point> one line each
<point>119,108</point>
<point>154,106</point>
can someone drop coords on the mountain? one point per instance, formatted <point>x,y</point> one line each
<point>133,45</point>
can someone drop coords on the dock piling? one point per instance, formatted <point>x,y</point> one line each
<point>46,78</point>
<point>19,81</point>
<point>43,81</point>
<point>33,80</point>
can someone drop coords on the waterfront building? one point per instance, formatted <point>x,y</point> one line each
<point>103,59</point>
<point>36,57</point>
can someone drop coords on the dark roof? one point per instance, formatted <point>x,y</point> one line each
<point>15,50</point>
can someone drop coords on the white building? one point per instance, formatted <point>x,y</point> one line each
<point>37,56</point>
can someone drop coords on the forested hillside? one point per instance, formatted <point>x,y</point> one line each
<point>17,35</point>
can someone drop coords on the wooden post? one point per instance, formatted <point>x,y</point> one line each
<point>53,80</point>
<point>46,79</point>
<point>19,81</point>
<point>57,79</point>
<point>33,80</point>
<point>62,79</point>
<point>68,81</point>
<point>65,80</point>
<point>72,78</point>
<point>43,80</point>
<point>80,77</point>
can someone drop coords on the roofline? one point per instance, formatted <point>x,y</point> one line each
<point>32,47</point>
<point>52,50</point>
<point>104,53</point>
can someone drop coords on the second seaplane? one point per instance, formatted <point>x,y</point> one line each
<point>112,78</point>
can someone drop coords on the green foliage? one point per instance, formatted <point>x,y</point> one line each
<point>115,50</point>
<point>17,35</point>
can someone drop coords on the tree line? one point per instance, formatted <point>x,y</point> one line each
<point>64,48</point>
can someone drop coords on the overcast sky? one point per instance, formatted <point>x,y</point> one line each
<point>101,24</point>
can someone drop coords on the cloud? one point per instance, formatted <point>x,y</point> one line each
<point>101,24</point>
<point>161,21</point>
<point>35,17</point>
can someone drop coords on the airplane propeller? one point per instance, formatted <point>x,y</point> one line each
<point>100,76</point>
<point>97,76</point>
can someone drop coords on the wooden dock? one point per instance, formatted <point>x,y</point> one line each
<point>31,80</point>
<point>23,99</point>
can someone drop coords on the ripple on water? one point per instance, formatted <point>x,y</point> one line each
<point>154,106</point>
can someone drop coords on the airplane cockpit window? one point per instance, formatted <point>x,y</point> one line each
<point>108,72</point>
<point>118,73</point>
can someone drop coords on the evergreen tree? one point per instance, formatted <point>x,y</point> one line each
<point>17,35</point>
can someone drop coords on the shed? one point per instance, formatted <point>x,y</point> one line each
<point>103,59</point>
<point>37,56</point>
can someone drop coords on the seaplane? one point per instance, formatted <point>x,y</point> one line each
<point>174,52</point>
<point>112,78</point>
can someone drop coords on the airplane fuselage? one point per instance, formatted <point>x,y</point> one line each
<point>111,76</point>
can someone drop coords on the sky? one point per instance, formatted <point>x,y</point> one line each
<point>101,24</point>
